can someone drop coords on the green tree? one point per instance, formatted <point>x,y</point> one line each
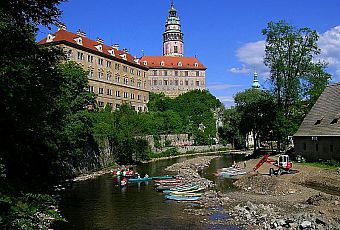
<point>257,112</point>
<point>231,131</point>
<point>295,78</point>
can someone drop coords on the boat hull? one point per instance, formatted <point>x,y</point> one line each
<point>182,198</point>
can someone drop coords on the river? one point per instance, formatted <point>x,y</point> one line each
<point>101,204</point>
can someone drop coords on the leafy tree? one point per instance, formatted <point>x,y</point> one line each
<point>257,112</point>
<point>185,114</point>
<point>231,130</point>
<point>26,12</point>
<point>295,77</point>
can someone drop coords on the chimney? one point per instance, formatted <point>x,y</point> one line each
<point>100,40</point>
<point>81,33</point>
<point>126,50</point>
<point>61,26</point>
<point>115,46</point>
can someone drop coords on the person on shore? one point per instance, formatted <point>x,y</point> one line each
<point>138,176</point>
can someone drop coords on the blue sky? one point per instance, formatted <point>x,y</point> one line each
<point>225,35</point>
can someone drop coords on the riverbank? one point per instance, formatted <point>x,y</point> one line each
<point>306,200</point>
<point>101,172</point>
<point>108,170</point>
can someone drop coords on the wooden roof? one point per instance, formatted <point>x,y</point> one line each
<point>324,117</point>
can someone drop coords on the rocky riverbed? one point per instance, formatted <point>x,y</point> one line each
<point>267,202</point>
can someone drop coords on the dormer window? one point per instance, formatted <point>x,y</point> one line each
<point>50,38</point>
<point>162,63</point>
<point>179,63</point>
<point>79,41</point>
<point>112,52</point>
<point>145,63</point>
<point>318,122</point>
<point>335,120</point>
<point>99,47</point>
<point>196,64</point>
<point>123,56</point>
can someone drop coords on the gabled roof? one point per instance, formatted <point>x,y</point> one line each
<point>170,62</point>
<point>64,36</point>
<point>323,113</point>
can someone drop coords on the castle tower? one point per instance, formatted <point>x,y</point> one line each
<point>256,84</point>
<point>173,36</point>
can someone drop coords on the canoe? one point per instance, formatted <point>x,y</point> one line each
<point>165,187</point>
<point>232,173</point>
<point>187,192</point>
<point>169,185</point>
<point>185,187</point>
<point>229,172</point>
<point>136,180</point>
<point>162,177</point>
<point>182,198</point>
<point>180,189</point>
<point>168,181</point>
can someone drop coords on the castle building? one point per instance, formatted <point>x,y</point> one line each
<point>173,73</point>
<point>114,75</point>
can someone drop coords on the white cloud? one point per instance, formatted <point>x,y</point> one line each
<point>251,56</point>
<point>329,43</point>
<point>223,86</point>
<point>242,70</point>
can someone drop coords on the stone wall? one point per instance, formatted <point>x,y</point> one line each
<point>197,149</point>
<point>175,140</point>
<point>96,156</point>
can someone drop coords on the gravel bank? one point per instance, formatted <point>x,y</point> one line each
<point>267,202</point>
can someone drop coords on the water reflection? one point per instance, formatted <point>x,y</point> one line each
<point>103,204</point>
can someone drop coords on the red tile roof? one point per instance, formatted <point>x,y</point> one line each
<point>66,36</point>
<point>172,62</point>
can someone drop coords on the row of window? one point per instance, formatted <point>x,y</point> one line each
<point>118,94</point>
<point>180,64</point>
<point>331,147</point>
<point>100,61</point>
<point>108,77</point>
<point>175,73</point>
<point>101,104</point>
<point>175,82</point>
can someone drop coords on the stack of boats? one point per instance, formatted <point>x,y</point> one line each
<point>175,189</point>
<point>230,172</point>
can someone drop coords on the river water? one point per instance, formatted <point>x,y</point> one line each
<point>101,204</point>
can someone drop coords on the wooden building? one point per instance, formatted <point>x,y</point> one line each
<point>319,134</point>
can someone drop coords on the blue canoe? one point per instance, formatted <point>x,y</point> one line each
<point>162,177</point>
<point>136,180</point>
<point>182,198</point>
